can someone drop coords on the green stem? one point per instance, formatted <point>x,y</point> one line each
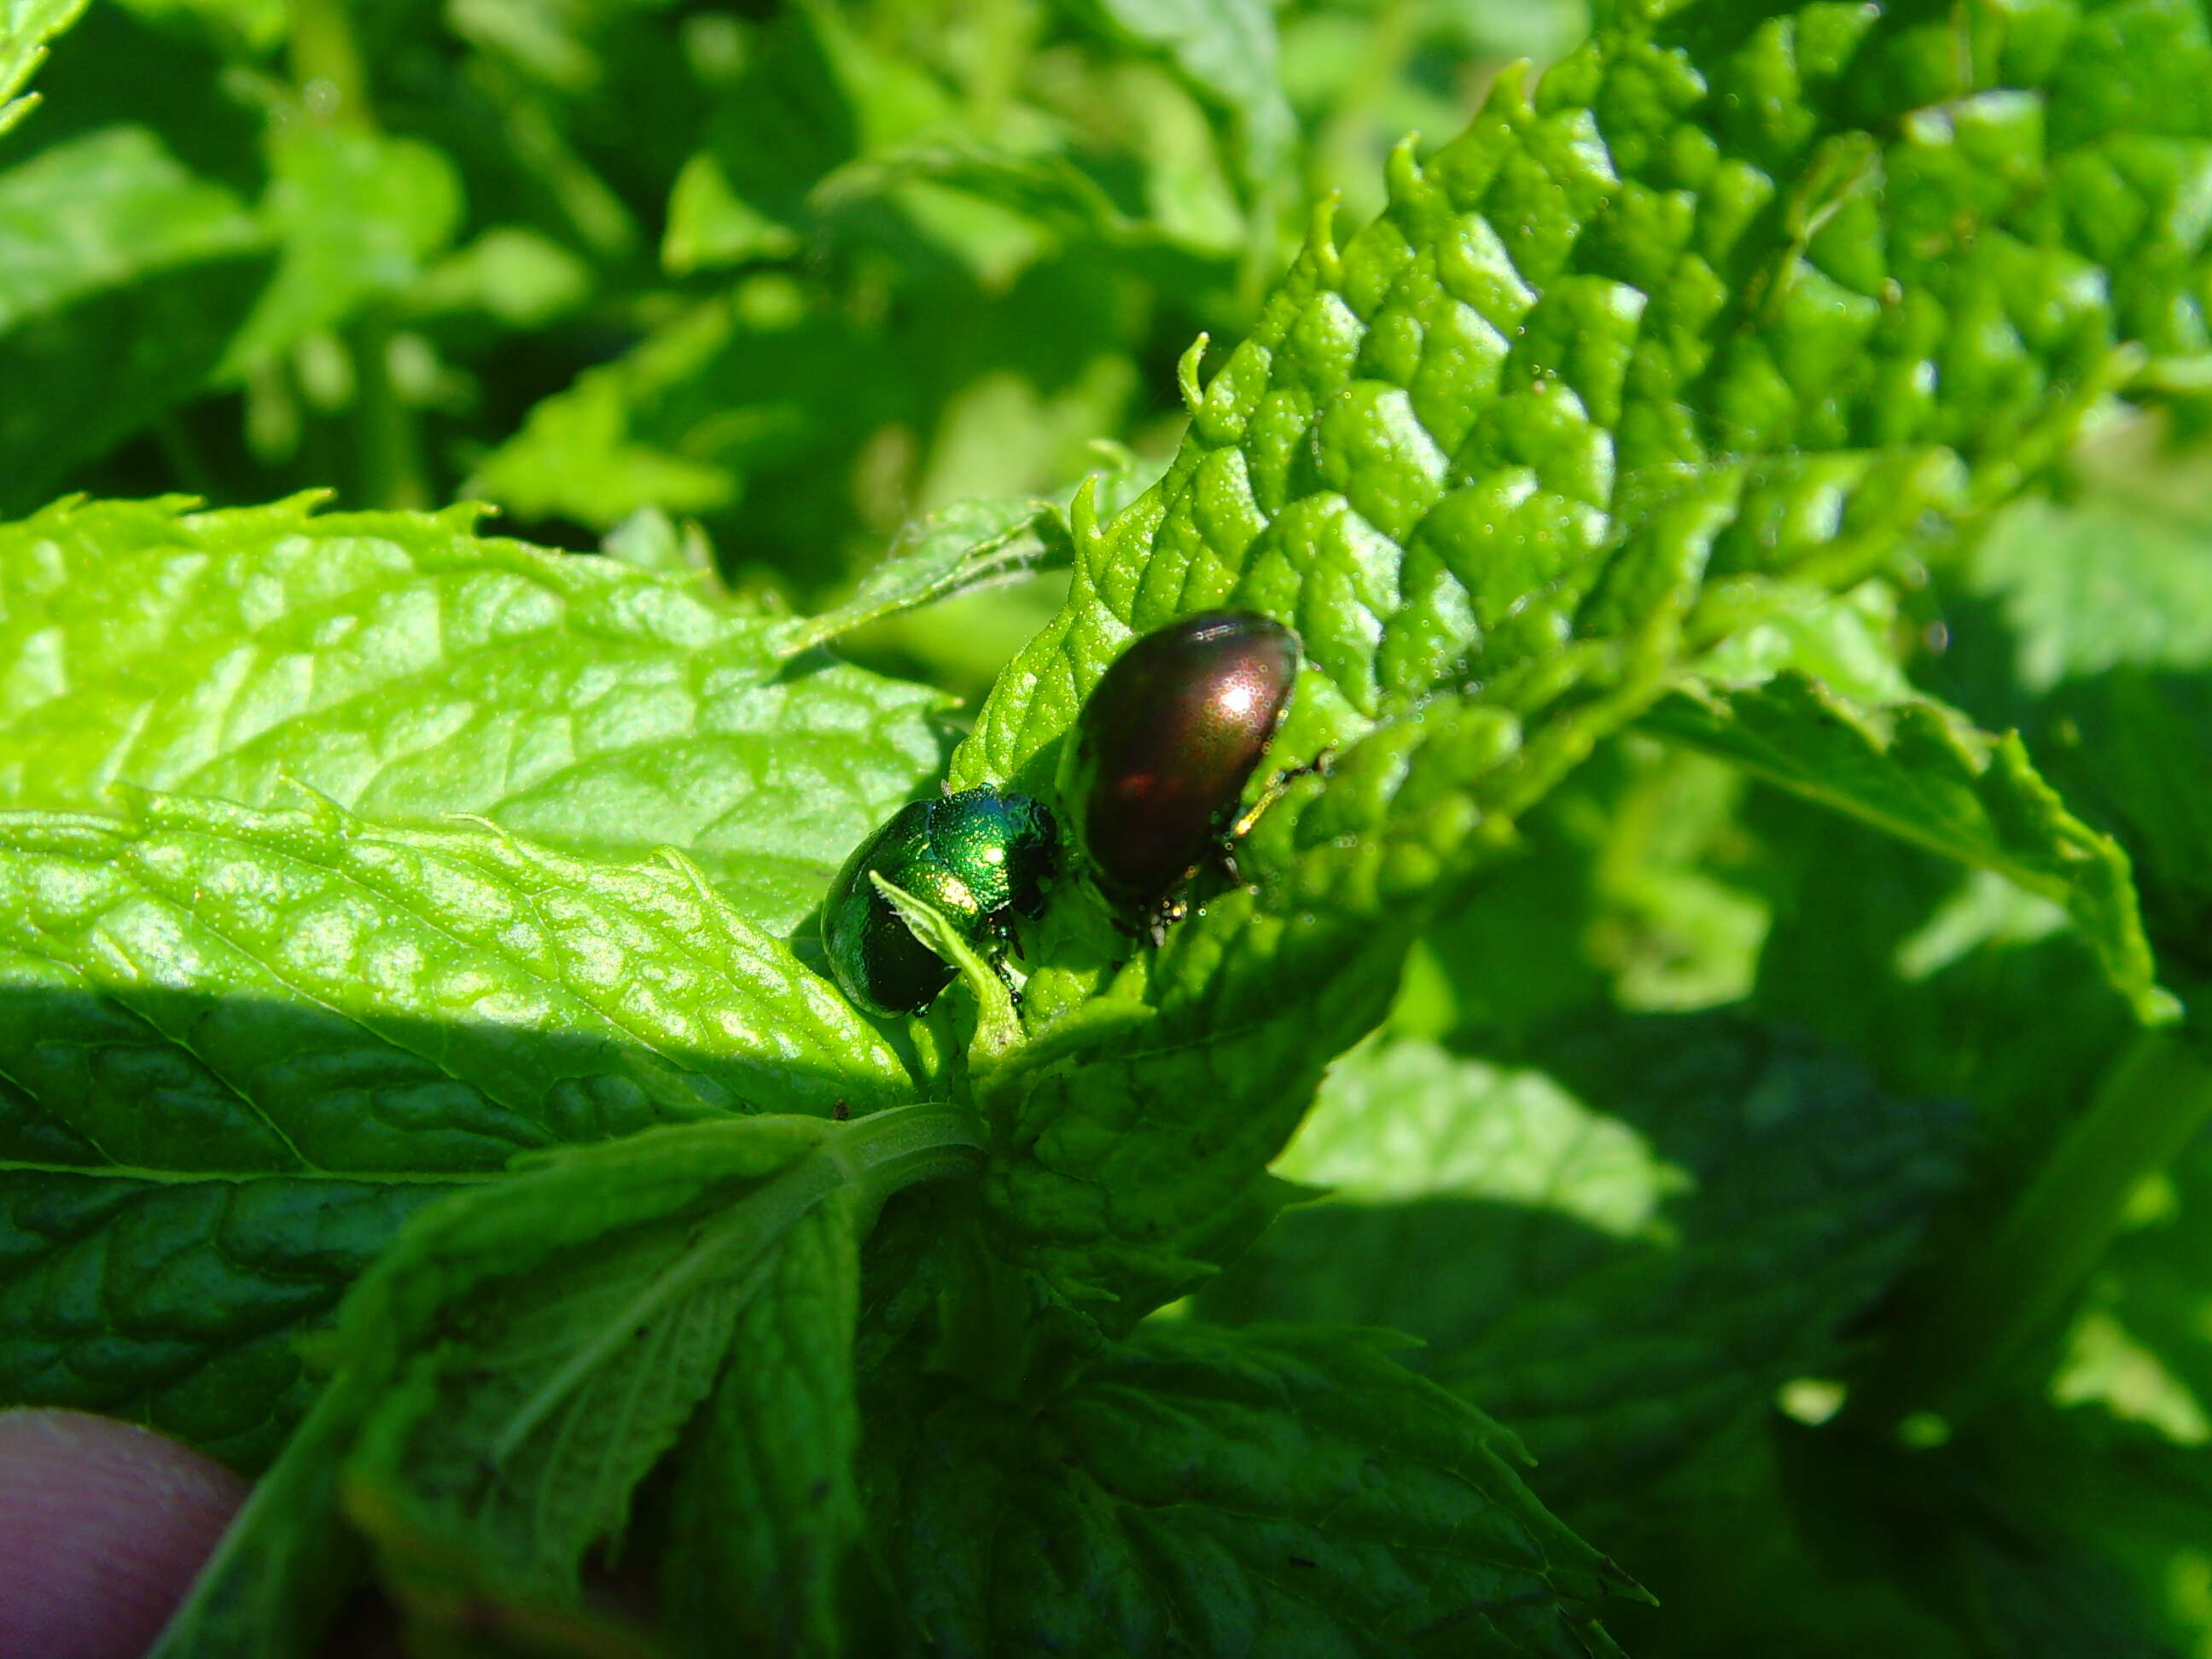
<point>333,87</point>
<point>182,451</point>
<point>324,52</point>
<point>888,1151</point>
<point>1335,153</point>
<point>389,448</point>
<point>1951,1359</point>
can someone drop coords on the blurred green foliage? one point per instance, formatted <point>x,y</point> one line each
<point>580,257</point>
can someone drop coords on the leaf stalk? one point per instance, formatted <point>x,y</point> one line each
<point>1959,1349</point>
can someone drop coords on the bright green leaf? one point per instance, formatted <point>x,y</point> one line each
<point>938,555</point>
<point>1494,448</point>
<point>411,671</point>
<point>2083,625</point>
<point>679,423</point>
<point>359,216</point>
<point>102,211</point>
<point>24,27</point>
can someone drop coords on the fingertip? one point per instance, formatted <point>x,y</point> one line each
<point>102,1526</point>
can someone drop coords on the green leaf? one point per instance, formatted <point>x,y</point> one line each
<point>541,1349</point>
<point>240,1048</point>
<point>518,276</point>
<point>1917,770</point>
<point>24,27</point>
<point>1196,1491</point>
<point>131,210</point>
<point>1225,51</point>
<point>996,1028</point>
<point>359,216</point>
<point>1135,1160</point>
<point>1651,1232</point>
<point>173,1297</point>
<point>524,1355</point>
<point>2082,625</point>
<point>679,423</point>
<point>938,555</point>
<point>258,25</point>
<point>2115,577</point>
<point>123,278</point>
<point>318,922</point>
<point>790,119</point>
<point>409,670</point>
<point>1524,405</point>
<point>765,1502</point>
<point>1500,458</point>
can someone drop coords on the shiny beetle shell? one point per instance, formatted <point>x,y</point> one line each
<point>979,857</point>
<point>1164,745</point>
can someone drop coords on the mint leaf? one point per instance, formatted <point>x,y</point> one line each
<point>1200,1490</point>
<point>360,215</point>
<point>172,1298</point>
<point>1111,1184</point>
<point>1386,460</point>
<point>792,116</point>
<point>719,393</point>
<point>133,210</point>
<point>1917,770</point>
<point>2078,624</point>
<point>938,555</point>
<point>242,1047</point>
<point>124,276</point>
<point>25,27</point>
<point>765,1501</point>
<point>1225,51</point>
<point>542,1348</point>
<point>1494,448</point>
<point>514,1366</point>
<point>2117,576</point>
<point>1650,1232</point>
<point>409,670</point>
<point>435,958</point>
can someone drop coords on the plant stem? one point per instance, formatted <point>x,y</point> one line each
<point>333,89</point>
<point>324,50</point>
<point>1952,1358</point>
<point>389,451</point>
<point>890,1151</point>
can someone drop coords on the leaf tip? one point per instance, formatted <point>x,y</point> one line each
<point>1320,239</point>
<point>1187,382</point>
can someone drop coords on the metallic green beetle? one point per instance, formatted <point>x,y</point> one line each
<point>978,858</point>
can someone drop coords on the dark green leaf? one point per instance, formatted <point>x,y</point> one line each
<point>512,1368</point>
<point>124,278</point>
<point>765,1502</point>
<point>1649,1235</point>
<point>1279,1490</point>
<point>240,1048</point>
<point>1917,770</point>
